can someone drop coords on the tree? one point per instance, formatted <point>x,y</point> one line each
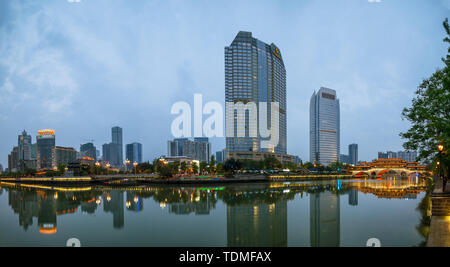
<point>220,168</point>
<point>144,167</point>
<point>272,163</point>
<point>195,167</point>
<point>430,115</point>
<point>203,166</point>
<point>183,167</point>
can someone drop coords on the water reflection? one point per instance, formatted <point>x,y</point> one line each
<point>256,214</point>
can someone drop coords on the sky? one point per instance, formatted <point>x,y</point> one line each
<point>83,67</point>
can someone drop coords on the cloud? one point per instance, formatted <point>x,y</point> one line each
<point>35,73</point>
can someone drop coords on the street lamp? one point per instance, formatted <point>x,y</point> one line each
<point>97,164</point>
<point>444,180</point>
<point>135,165</point>
<point>107,168</point>
<point>127,162</point>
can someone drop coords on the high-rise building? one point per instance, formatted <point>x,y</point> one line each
<point>410,156</point>
<point>199,149</point>
<point>219,156</point>
<point>324,127</point>
<point>13,160</point>
<point>325,219</point>
<point>88,150</point>
<point>24,143</point>
<point>353,153</point>
<point>45,143</point>
<point>117,139</point>
<point>202,148</point>
<point>134,152</point>
<point>344,158</point>
<point>113,152</point>
<point>63,156</point>
<point>254,72</point>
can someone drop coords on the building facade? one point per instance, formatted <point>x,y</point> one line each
<point>88,150</point>
<point>63,156</point>
<point>199,149</point>
<point>13,160</point>
<point>24,143</point>
<point>409,156</point>
<point>117,139</point>
<point>134,152</point>
<point>45,144</point>
<point>324,127</point>
<point>254,73</point>
<point>353,153</point>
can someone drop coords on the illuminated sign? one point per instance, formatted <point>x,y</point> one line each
<point>46,132</point>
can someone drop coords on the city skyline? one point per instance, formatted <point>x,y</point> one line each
<point>65,97</point>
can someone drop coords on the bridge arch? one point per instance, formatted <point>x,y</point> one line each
<point>360,174</point>
<point>380,174</point>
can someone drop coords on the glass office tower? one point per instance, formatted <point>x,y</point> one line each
<point>324,127</point>
<point>254,72</point>
<point>45,144</point>
<point>134,152</point>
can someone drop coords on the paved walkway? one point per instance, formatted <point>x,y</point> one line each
<point>440,219</point>
<point>439,232</point>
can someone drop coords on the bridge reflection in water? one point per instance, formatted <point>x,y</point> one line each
<point>256,214</point>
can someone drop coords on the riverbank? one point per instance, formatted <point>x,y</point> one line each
<point>155,179</point>
<point>440,216</point>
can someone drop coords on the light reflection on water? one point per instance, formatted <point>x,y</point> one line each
<point>318,213</point>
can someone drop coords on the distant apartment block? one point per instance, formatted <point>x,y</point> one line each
<point>199,149</point>
<point>409,156</point>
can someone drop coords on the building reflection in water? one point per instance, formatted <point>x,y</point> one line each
<point>325,219</point>
<point>258,225</point>
<point>199,204</point>
<point>256,213</point>
<point>353,197</point>
<point>134,202</point>
<point>115,204</point>
<point>43,205</point>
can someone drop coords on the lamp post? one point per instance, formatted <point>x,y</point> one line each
<point>97,165</point>
<point>439,166</point>
<point>135,165</point>
<point>107,168</point>
<point>127,162</point>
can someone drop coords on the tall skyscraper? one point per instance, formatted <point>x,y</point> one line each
<point>134,152</point>
<point>24,144</point>
<point>324,127</point>
<point>45,143</point>
<point>202,148</point>
<point>13,160</point>
<point>254,72</point>
<point>117,139</point>
<point>325,219</point>
<point>199,149</point>
<point>113,152</point>
<point>353,153</point>
<point>63,156</point>
<point>88,150</point>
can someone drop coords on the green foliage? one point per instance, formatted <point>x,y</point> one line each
<point>183,167</point>
<point>271,163</point>
<point>144,167</point>
<point>203,166</point>
<point>429,115</point>
<point>168,170</point>
<point>195,167</point>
